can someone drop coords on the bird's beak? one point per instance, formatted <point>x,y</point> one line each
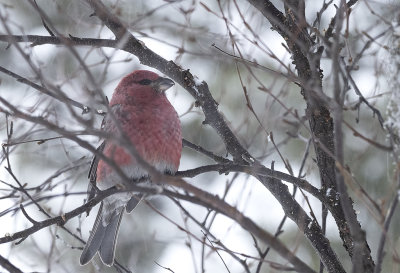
<point>162,84</point>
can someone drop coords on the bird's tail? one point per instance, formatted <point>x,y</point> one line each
<point>102,239</point>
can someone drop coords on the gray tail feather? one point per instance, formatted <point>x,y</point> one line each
<point>102,239</point>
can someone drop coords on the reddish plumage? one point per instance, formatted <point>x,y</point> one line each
<point>148,119</point>
<point>146,116</point>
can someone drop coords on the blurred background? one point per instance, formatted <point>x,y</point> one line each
<point>203,36</point>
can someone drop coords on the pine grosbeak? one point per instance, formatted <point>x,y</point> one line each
<point>146,116</point>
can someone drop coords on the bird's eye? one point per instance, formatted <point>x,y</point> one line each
<point>144,82</point>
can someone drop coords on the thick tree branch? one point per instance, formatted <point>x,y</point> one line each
<point>361,254</point>
<point>255,171</point>
<point>9,266</point>
<point>319,116</point>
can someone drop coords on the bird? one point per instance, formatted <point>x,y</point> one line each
<point>145,115</point>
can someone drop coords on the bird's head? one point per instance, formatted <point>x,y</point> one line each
<point>141,86</point>
<point>144,78</point>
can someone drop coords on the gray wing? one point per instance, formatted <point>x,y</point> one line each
<point>135,200</point>
<point>92,172</point>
